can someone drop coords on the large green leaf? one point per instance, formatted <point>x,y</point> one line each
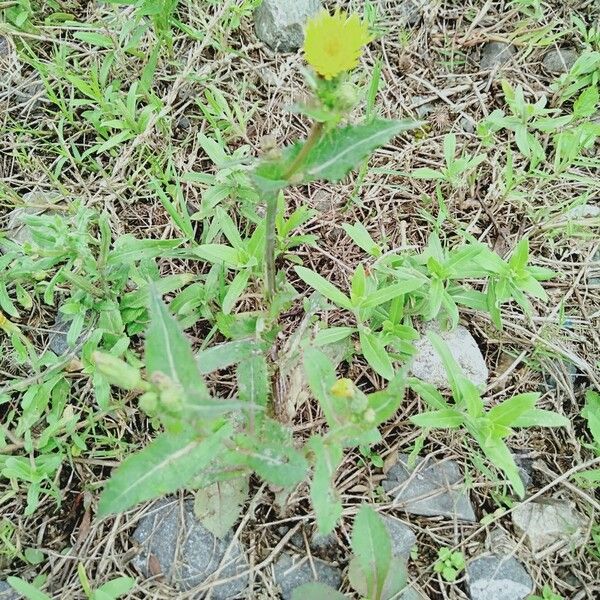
<point>326,502</point>
<point>342,149</point>
<point>271,454</point>
<point>372,548</point>
<point>164,466</point>
<point>169,352</point>
<point>224,355</point>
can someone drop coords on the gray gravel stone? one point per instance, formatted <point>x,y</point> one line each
<point>583,211</point>
<point>280,23</point>
<point>16,228</point>
<point>290,572</point>
<point>411,11</point>
<point>435,489</point>
<point>58,337</point>
<point>546,522</point>
<point>7,593</point>
<point>498,578</point>
<point>495,54</point>
<point>319,543</point>
<point>402,536</point>
<point>560,61</point>
<point>427,364</point>
<point>186,551</point>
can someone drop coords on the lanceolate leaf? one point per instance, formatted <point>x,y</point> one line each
<point>324,287</point>
<point>326,502</point>
<point>343,149</point>
<point>372,547</point>
<point>375,353</point>
<point>164,466</point>
<point>168,351</point>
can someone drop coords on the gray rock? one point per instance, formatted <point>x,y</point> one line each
<point>402,536</point>
<point>280,23</point>
<point>583,211</point>
<point>6,592</point>
<point>525,465</point>
<point>319,543</point>
<point>186,552</point>
<point>34,203</point>
<point>432,489</point>
<point>411,11</point>
<point>498,578</point>
<point>427,365</point>
<point>495,54</point>
<point>544,523</point>
<point>58,336</point>
<point>291,571</point>
<point>560,61</point>
<point>421,107</point>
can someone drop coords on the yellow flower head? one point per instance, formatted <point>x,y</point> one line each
<point>333,43</point>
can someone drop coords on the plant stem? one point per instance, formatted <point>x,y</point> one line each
<point>270,245</point>
<point>271,234</point>
<point>313,138</point>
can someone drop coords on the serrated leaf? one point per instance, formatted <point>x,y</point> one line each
<point>272,455</point>
<point>325,500</point>
<point>344,148</point>
<point>224,355</point>
<point>164,466</point>
<point>218,506</point>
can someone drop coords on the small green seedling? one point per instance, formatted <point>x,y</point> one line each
<point>488,428</point>
<point>375,574</point>
<point>449,564</point>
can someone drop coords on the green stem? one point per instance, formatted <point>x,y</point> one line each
<point>313,137</point>
<point>270,245</point>
<point>271,234</point>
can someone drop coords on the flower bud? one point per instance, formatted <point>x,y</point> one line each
<point>343,388</point>
<point>148,403</point>
<point>116,371</point>
<point>347,96</point>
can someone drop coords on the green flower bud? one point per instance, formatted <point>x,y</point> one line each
<point>148,402</point>
<point>347,96</point>
<point>369,415</point>
<point>117,371</point>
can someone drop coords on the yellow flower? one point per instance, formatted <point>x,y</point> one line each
<point>333,43</point>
